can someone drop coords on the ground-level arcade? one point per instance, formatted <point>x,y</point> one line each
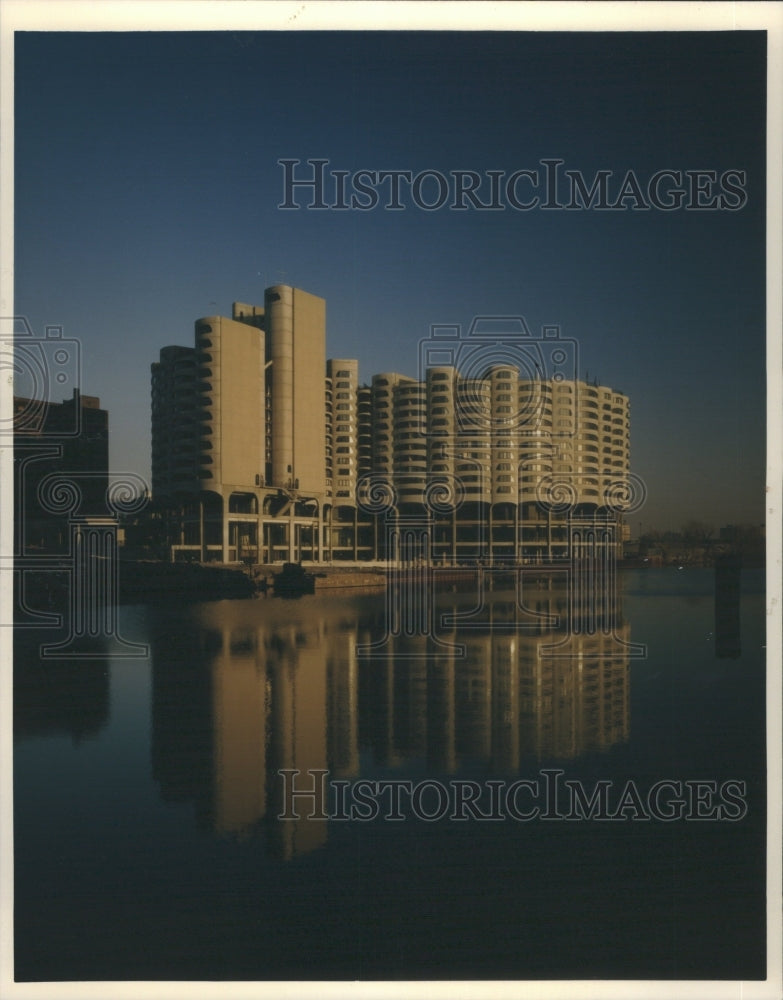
<point>271,526</point>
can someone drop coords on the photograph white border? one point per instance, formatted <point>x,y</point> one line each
<point>255,15</point>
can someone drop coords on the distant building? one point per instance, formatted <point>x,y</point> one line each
<point>175,418</point>
<point>61,468</point>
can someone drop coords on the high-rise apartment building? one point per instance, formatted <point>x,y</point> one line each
<point>237,442</point>
<point>270,450</point>
<point>499,459</point>
<point>504,439</point>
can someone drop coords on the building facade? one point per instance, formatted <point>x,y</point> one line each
<point>238,449</point>
<point>266,452</point>
<point>61,469</point>
<point>498,462</point>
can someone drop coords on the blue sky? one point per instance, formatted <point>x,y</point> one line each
<point>147,191</point>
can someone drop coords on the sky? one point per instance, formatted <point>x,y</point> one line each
<point>148,185</point>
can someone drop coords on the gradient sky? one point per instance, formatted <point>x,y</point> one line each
<point>147,192</point>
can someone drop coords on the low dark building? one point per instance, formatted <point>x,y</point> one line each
<point>61,469</point>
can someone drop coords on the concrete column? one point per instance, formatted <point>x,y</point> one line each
<point>224,510</point>
<point>203,555</point>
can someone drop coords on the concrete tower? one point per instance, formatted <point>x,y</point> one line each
<point>295,324</point>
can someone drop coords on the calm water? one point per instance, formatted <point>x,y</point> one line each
<point>147,792</point>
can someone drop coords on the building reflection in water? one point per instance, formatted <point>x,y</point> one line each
<point>243,689</point>
<point>58,697</point>
<point>502,700</point>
